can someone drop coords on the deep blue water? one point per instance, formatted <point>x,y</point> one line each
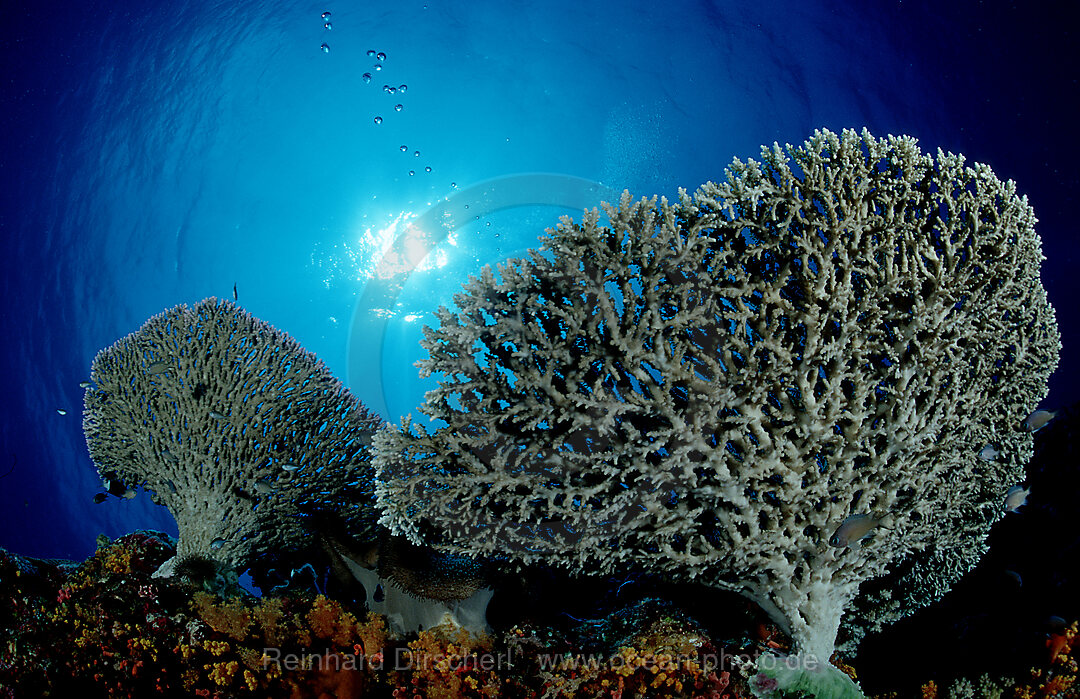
<point>157,153</point>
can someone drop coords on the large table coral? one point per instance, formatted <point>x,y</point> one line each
<point>242,434</point>
<point>779,385</point>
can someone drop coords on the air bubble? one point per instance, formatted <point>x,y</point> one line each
<point>325,48</point>
<point>416,153</point>
<point>427,169</point>
<point>378,66</point>
<point>371,53</point>
<point>404,149</point>
<point>412,172</point>
<point>378,120</point>
<point>398,107</point>
<point>326,15</point>
<point>380,56</point>
<point>328,26</point>
<point>366,77</point>
<point>403,88</point>
<point>453,185</point>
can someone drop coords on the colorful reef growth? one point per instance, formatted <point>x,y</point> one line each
<point>107,628</point>
<point>780,386</point>
<point>243,435</point>
<point>110,629</point>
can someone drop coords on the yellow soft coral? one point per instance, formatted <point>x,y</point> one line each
<point>371,636</point>
<point>267,615</point>
<point>222,673</point>
<point>217,648</point>
<point>328,620</point>
<point>232,618</point>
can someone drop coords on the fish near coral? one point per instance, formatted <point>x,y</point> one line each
<point>158,367</point>
<point>1038,420</point>
<point>117,487</point>
<point>1016,498</point>
<point>854,528</point>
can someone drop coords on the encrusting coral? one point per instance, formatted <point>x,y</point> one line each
<point>814,352</point>
<point>234,427</point>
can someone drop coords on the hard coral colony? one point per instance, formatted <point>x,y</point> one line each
<point>708,389</point>
<point>234,428</point>
<point>782,385</point>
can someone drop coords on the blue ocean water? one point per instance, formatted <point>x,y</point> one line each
<point>153,154</point>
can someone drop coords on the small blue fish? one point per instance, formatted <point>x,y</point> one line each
<point>217,543</point>
<point>289,467</point>
<point>217,416</point>
<point>1015,577</point>
<point>989,453</point>
<point>84,384</point>
<point>61,411</point>
<point>168,456</point>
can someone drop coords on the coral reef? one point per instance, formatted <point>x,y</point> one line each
<point>809,378</point>
<point>107,628</point>
<point>236,429</point>
<point>720,388</point>
<point>110,629</point>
